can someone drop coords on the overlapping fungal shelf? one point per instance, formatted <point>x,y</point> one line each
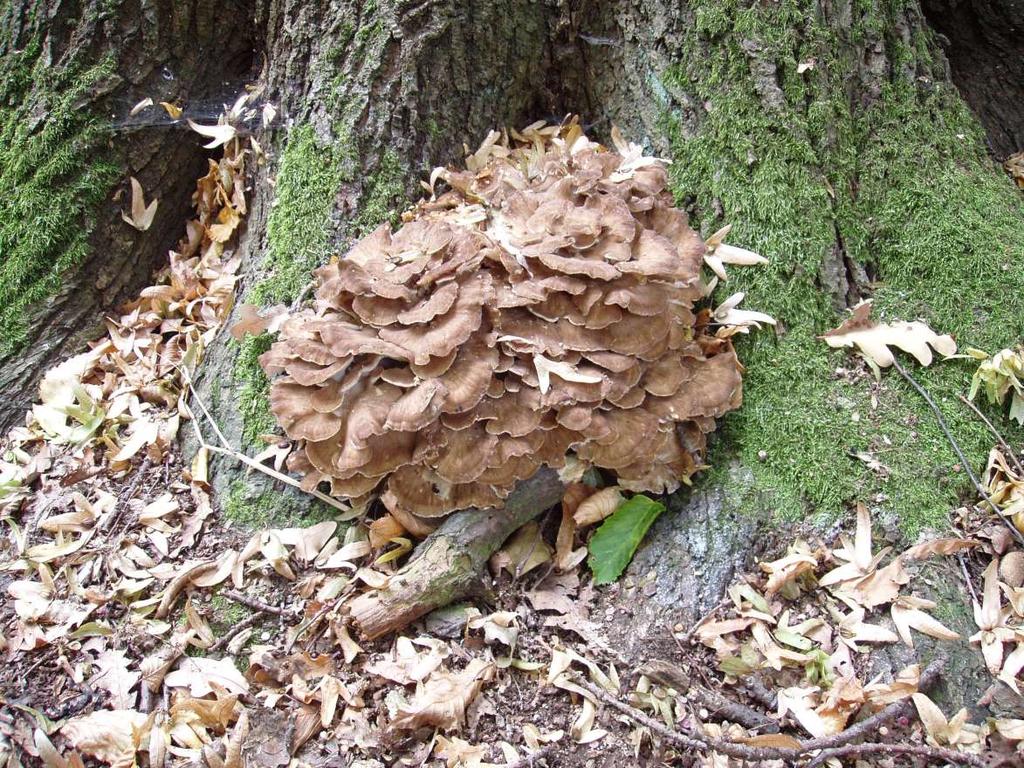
<point>543,305</point>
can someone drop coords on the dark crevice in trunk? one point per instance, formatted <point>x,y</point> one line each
<point>984,43</point>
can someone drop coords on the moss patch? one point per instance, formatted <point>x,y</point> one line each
<point>907,185</point>
<point>54,173</point>
<point>299,227</point>
<point>384,198</point>
<point>254,508</point>
<point>298,240</point>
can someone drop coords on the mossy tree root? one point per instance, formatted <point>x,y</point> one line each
<point>450,563</point>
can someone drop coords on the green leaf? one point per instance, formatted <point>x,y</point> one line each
<point>613,544</point>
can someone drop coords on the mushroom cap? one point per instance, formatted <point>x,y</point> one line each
<point>543,304</point>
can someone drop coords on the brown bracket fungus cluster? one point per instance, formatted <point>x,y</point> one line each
<point>544,304</point>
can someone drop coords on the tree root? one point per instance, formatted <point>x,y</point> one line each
<point>449,564</point>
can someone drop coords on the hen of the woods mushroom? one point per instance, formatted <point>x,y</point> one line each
<point>543,305</point>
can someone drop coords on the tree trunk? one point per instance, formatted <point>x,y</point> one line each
<point>829,132</point>
<point>70,73</point>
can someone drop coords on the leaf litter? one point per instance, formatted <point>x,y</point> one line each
<point>114,550</point>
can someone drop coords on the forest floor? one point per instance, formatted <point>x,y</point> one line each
<point>143,626</point>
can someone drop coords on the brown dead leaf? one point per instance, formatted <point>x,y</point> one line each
<point>384,530</point>
<point>307,725</point>
<point>155,666</point>
<point>407,664</point>
<point>441,701</point>
<point>173,110</point>
<point>786,571</point>
<point>881,695</point>
<point>233,744</point>
<point>523,552</point>
<point>112,736</point>
<point>115,675</point>
<point>909,613</point>
<point>947,546</point>
<point>203,676</point>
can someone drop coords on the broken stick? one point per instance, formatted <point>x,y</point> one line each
<point>449,564</point>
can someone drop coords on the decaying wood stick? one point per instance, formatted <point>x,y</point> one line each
<point>449,564</point>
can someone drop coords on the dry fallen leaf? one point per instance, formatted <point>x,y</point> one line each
<point>144,104</point>
<point>115,675</point>
<point>111,736</point>
<point>142,215</point>
<point>441,700</point>
<point>203,676</point>
<point>990,619</point>
<point>947,546</point>
<point>173,110</point>
<point>874,339</point>
<point>598,506</point>
<point>218,134</point>
<point>909,613</point>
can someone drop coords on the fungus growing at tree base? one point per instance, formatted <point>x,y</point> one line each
<point>544,305</point>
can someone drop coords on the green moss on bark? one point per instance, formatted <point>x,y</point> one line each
<point>906,184</point>
<point>253,509</point>
<point>385,196</point>
<point>54,173</point>
<point>298,240</point>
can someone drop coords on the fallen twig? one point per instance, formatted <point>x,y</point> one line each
<point>126,496</point>
<point>237,629</point>
<point>967,578</point>
<point>956,447</point>
<point>692,739</point>
<point>228,450</point>
<point>905,707</point>
<point>670,675</point>
<point>256,604</point>
<point>934,754</point>
<point>760,693</point>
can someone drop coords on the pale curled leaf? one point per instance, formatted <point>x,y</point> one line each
<point>203,676</point>
<point>545,368</point>
<point>946,546</point>
<point>218,134</point>
<point>442,699</point>
<point>142,215</point>
<point>598,506</point>
<point>874,339</point>
<point>144,104</point>
<point>910,613</point>
<point>728,314</point>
